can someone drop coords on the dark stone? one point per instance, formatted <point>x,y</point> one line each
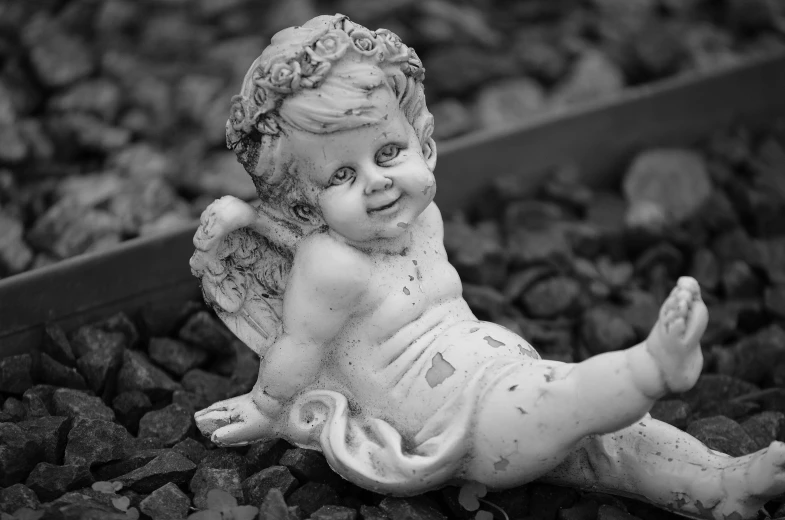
<point>530,246</point>
<point>716,387</point>
<point>15,376</point>
<point>755,357</point>
<point>552,297</point>
<point>56,344</point>
<point>225,458</point>
<point>100,367</point>
<point>38,400</point>
<point>476,252</point>
<point>51,432</point>
<point>76,505</point>
<point>546,500</point>
<point>191,448</point>
<point>76,404</point>
<point>57,374</point>
<point>203,330</point>
<point>257,486</point>
<point>309,465</point>
<point>705,269</point>
<point>129,463</point>
<point>774,300</point>
<point>130,407</point>
<point>313,495</point>
<point>603,329</point>
<point>93,442</point>
<point>640,310</point>
<point>334,513</point>
<point>245,371</point>
<point>264,454</point>
<point>211,387</point>
<point>100,97</point>
<point>170,425</point>
<point>583,510</point>
<point>609,512</point>
<point>88,339</point>
<point>723,434</point>
<point>372,513</point>
<point>190,400</point>
<point>455,70</point>
<point>18,454</point>
<point>121,323</point>
<point>671,411</point>
<point>274,506</point>
<point>206,478</point>
<point>414,508</point>
<point>739,281</point>
<point>138,373</point>
<point>14,409</point>
<point>170,466</point>
<point>166,503</point>
<point>16,497</point>
<point>50,481</point>
<point>176,356</point>
<point>57,57</point>
<point>765,428</point>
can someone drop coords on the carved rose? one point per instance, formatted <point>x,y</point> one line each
<point>364,42</point>
<point>331,47</point>
<point>239,116</point>
<point>284,76</point>
<point>414,67</point>
<point>396,50</point>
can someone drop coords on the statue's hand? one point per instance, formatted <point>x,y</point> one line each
<point>223,216</point>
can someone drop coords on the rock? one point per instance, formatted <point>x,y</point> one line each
<point>309,465</point>
<point>245,369</point>
<point>166,503</point>
<point>765,428</point>
<point>170,466</point>
<point>610,512</point>
<point>641,311</point>
<point>675,182</point>
<point>15,376</point>
<point>90,339</point>
<point>604,330</point>
<point>206,332</point>
<point>57,346</point>
<point>15,254</point>
<point>76,404</point>
<point>755,357</point>
<point>130,407</point>
<point>312,496</point>
<point>206,479</point>
<point>87,131</point>
<point>739,281</point>
<point>508,102</point>
<point>455,70</point>
<point>14,409</point>
<point>57,374</point>
<point>372,513</point>
<point>76,505</point>
<point>716,387</point>
<point>552,297</point>
<point>129,463</point>
<point>546,500</point>
<point>169,425</point>
<point>334,513</point>
<point>220,174</point>
<point>770,256</point>
<point>57,57</point>
<point>100,369</point>
<point>211,387</point>
<point>477,254</point>
<point>671,411</point>
<point>93,442</point>
<point>190,400</point>
<point>100,97</point>
<point>657,51</point>
<point>753,15</point>
<point>51,433</point>
<point>138,373</point>
<point>18,454</point>
<point>593,76</point>
<point>705,269</point>
<point>176,356</point>
<point>50,481</point>
<point>583,510</point>
<point>16,497</point>
<point>264,454</point>
<point>723,434</point>
<point>774,300</point>
<point>410,507</point>
<point>191,449</point>
<point>451,118</point>
<point>14,149</point>
<point>256,487</point>
<point>223,458</point>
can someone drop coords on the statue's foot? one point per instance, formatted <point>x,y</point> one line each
<point>749,482</point>
<point>675,339</point>
<point>234,422</point>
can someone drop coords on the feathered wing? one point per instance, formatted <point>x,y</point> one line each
<point>244,283</point>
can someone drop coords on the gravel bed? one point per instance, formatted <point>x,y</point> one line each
<point>112,112</point>
<point>99,422</point>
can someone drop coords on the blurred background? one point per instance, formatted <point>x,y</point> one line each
<point>112,112</point>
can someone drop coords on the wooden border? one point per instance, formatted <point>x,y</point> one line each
<point>599,137</point>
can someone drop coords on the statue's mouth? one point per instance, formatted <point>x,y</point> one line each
<point>386,206</point>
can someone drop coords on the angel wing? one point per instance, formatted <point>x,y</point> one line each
<point>244,282</point>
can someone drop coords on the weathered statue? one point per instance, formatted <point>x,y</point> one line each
<point>340,282</point>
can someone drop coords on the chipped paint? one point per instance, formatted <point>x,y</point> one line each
<point>440,370</point>
<point>523,412</point>
<point>403,225</point>
<point>512,388</point>
<point>492,342</point>
<point>474,329</point>
<point>501,464</point>
<point>406,291</point>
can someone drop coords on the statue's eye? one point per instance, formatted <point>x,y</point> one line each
<point>388,153</point>
<point>341,176</point>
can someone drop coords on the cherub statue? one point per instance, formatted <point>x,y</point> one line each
<point>340,282</point>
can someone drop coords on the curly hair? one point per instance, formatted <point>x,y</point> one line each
<point>294,85</point>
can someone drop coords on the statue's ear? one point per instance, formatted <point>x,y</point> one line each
<point>429,153</point>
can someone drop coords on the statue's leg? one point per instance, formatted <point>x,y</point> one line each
<point>656,462</point>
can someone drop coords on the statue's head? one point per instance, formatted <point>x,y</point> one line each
<point>325,77</point>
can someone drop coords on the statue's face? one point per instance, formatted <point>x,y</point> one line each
<point>371,182</point>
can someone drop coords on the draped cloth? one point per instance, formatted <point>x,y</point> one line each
<point>371,453</point>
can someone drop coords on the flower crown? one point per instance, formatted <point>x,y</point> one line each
<point>267,84</point>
